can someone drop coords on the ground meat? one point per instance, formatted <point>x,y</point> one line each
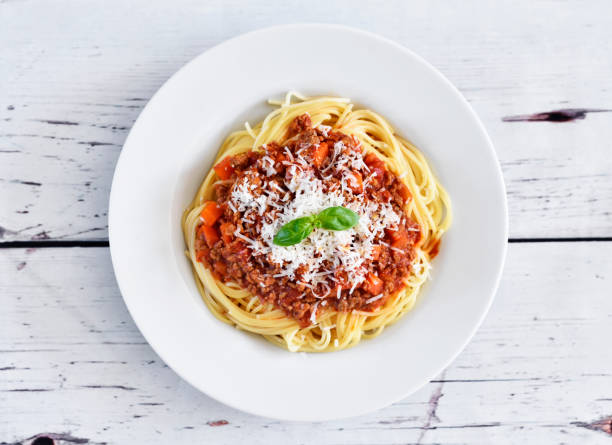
<point>298,125</point>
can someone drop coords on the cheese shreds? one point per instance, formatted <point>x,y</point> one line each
<point>391,247</point>
<point>324,129</point>
<point>275,185</point>
<point>373,299</point>
<point>267,164</point>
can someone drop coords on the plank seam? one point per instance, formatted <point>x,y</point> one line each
<point>103,243</point>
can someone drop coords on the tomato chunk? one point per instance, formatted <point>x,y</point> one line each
<point>373,284</point>
<point>211,212</point>
<point>210,234</point>
<point>224,169</point>
<point>319,154</point>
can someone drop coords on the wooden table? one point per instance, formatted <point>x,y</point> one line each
<point>75,75</point>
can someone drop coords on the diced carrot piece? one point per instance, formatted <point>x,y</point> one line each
<point>319,154</point>
<point>227,232</point>
<point>355,182</point>
<point>210,213</point>
<point>210,234</point>
<point>401,241</point>
<point>404,192</point>
<point>373,284</point>
<point>399,238</point>
<point>224,169</point>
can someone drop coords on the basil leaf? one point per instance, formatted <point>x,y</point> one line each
<point>332,218</point>
<point>337,218</point>
<point>294,231</point>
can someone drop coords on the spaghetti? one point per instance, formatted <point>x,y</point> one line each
<point>335,287</point>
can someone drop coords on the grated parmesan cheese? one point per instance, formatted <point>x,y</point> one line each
<point>313,315</point>
<point>373,299</point>
<point>324,129</point>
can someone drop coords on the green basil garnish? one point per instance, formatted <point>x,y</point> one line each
<point>294,231</point>
<point>337,218</point>
<point>332,218</point>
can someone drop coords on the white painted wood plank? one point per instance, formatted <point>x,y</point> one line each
<point>74,76</point>
<point>71,361</point>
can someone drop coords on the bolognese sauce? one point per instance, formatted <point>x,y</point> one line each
<point>312,169</point>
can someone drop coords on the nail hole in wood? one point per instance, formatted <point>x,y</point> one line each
<point>43,440</point>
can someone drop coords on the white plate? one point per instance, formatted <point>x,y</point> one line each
<point>171,148</point>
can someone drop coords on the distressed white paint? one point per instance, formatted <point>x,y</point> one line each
<point>540,362</point>
<point>96,65</point>
<point>73,78</point>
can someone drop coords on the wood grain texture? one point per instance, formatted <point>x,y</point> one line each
<point>538,371</point>
<point>75,75</point>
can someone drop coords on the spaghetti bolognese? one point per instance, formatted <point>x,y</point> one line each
<point>315,228</point>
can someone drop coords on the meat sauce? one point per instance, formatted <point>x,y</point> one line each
<point>232,259</point>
